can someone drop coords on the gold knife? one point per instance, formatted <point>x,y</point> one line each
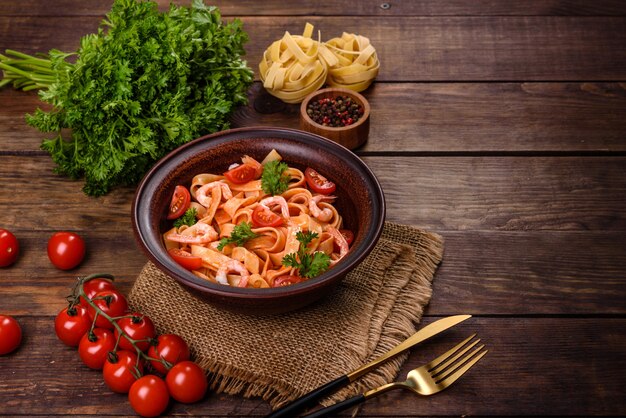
<point>423,334</point>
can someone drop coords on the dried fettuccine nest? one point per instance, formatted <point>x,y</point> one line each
<point>295,66</point>
<point>357,63</point>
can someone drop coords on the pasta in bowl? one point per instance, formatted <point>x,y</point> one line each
<point>259,220</point>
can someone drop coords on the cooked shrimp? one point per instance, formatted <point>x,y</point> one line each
<point>232,266</point>
<point>199,233</point>
<point>340,240</point>
<point>276,200</point>
<point>202,194</point>
<point>325,214</point>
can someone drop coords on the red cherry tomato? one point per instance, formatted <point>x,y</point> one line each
<point>94,348</point>
<point>262,217</point>
<point>93,286</point>
<point>181,199</point>
<point>169,347</point>
<point>348,235</point>
<point>186,382</point>
<point>286,280</point>
<point>9,248</point>
<point>66,250</point>
<point>71,324</point>
<point>112,303</point>
<point>137,327</point>
<point>10,334</point>
<point>149,396</point>
<point>185,259</point>
<point>241,174</point>
<point>318,183</point>
<point>120,374</point>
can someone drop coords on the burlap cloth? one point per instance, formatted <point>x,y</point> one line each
<point>280,358</point>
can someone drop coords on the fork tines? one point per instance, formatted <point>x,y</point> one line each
<point>448,367</point>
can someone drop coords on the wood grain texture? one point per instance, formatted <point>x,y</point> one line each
<point>581,355</point>
<point>332,7</point>
<point>429,118</point>
<point>414,48</point>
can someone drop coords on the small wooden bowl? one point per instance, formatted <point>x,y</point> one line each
<point>351,136</point>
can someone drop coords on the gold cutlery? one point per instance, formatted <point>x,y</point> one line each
<point>426,380</point>
<point>430,330</point>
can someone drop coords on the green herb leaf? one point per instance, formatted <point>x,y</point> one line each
<point>273,179</point>
<point>144,84</point>
<point>308,265</point>
<point>189,218</point>
<point>241,234</point>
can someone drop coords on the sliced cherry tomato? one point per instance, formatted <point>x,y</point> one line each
<point>169,347</point>
<point>149,396</point>
<point>137,327</point>
<point>263,217</point>
<point>181,199</point>
<point>10,334</point>
<point>186,382</point>
<point>317,182</point>
<point>66,250</point>
<point>185,259</point>
<point>93,286</point>
<point>9,248</point>
<point>241,174</point>
<point>112,303</point>
<point>286,280</point>
<point>71,324</point>
<point>94,347</point>
<point>121,370</point>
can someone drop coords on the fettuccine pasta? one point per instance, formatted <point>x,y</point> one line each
<point>242,235</point>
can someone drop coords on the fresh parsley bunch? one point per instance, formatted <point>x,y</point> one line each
<point>144,84</point>
<point>308,265</point>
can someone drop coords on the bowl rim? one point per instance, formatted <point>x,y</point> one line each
<point>171,268</point>
<point>339,90</point>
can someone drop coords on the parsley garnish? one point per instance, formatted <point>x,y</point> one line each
<point>240,235</point>
<point>189,218</point>
<point>308,265</point>
<point>273,179</point>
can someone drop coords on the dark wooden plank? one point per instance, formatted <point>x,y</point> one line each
<point>486,273</point>
<point>332,8</point>
<point>414,48</point>
<point>437,193</point>
<point>424,117</point>
<point>537,364</point>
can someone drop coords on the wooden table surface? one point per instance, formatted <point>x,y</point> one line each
<point>506,123</point>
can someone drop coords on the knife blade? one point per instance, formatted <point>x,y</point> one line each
<point>423,334</point>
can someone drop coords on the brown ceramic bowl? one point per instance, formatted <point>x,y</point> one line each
<point>360,201</point>
<point>351,136</point>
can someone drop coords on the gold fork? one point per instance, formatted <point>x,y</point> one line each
<point>426,380</point>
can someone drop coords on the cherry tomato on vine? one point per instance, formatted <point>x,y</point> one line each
<point>71,324</point>
<point>185,259</point>
<point>318,183</point>
<point>112,303</point>
<point>186,382</point>
<point>263,217</point>
<point>286,280</point>
<point>9,248</point>
<point>10,334</point>
<point>93,286</point>
<point>241,174</point>
<point>121,370</point>
<point>169,347</point>
<point>94,348</point>
<point>181,199</point>
<point>66,250</point>
<point>136,327</point>
<point>149,396</point>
